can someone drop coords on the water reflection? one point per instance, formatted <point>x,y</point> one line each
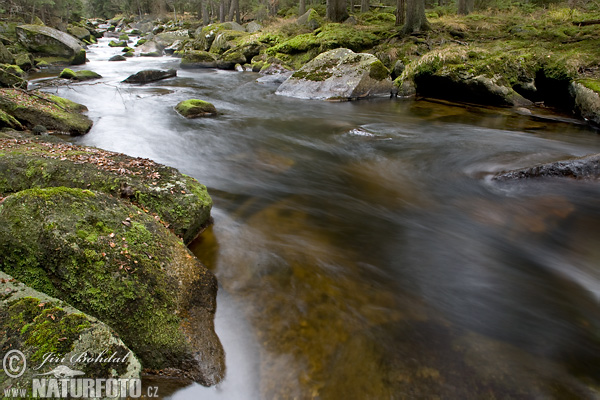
<point>363,251</point>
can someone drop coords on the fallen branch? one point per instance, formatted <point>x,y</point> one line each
<point>585,23</point>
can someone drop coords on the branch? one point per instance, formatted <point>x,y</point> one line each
<point>585,23</point>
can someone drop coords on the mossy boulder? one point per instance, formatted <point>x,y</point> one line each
<point>253,26</point>
<point>150,75</point>
<point>8,121</point>
<point>38,108</point>
<point>50,42</point>
<point>5,56</point>
<point>339,74</point>
<point>230,58</point>
<point>176,199</point>
<point>11,77</point>
<point>198,59</point>
<point>311,19</point>
<point>79,32</point>
<point>124,37</point>
<point>114,43</point>
<point>225,41</point>
<point>118,57</point>
<point>195,108</point>
<point>83,75</point>
<point>37,324</point>
<point>24,61</point>
<point>586,94</point>
<point>112,260</point>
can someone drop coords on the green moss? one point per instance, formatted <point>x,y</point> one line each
<point>67,74</point>
<point>121,43</point>
<point>193,108</point>
<point>592,84</point>
<point>378,71</point>
<point>124,37</point>
<point>141,42</point>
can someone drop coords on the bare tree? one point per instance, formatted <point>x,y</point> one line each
<point>234,9</point>
<point>302,7</point>
<point>364,6</point>
<point>400,12</point>
<point>465,6</point>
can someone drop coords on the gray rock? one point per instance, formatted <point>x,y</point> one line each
<point>339,74</point>
<point>587,167</point>
<point>198,59</point>
<point>49,41</point>
<point>117,57</point>
<point>150,75</point>
<point>39,130</point>
<point>253,26</point>
<point>398,69</point>
<point>587,102</point>
<point>10,77</point>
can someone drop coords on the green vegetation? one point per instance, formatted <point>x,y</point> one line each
<point>195,108</point>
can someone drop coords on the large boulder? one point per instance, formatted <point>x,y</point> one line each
<point>51,42</point>
<point>79,32</point>
<point>587,167</point>
<point>224,41</point>
<point>110,259</point>
<point>150,75</point>
<point>36,324</point>
<point>253,26</point>
<point>82,75</point>
<point>179,201</point>
<point>310,19</point>
<point>198,59</point>
<point>38,108</point>
<point>339,74</point>
<point>586,93</point>
<point>166,39</point>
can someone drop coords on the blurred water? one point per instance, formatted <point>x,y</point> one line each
<point>362,250</point>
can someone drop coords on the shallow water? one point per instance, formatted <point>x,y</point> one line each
<point>362,249</point>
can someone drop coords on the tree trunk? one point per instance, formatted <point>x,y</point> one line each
<point>234,11</point>
<point>415,17</point>
<point>222,11</point>
<point>205,16</point>
<point>302,7</point>
<point>400,12</point>
<point>364,6</point>
<point>336,10</point>
<point>465,7</point>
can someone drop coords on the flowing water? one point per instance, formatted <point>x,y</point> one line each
<point>362,250</point>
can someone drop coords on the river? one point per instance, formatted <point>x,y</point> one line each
<point>362,250</point>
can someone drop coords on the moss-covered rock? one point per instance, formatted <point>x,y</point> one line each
<point>224,41</point>
<point>114,43</point>
<point>176,199</point>
<point>8,121</point>
<point>83,75</point>
<point>230,58</point>
<point>586,94</point>
<point>11,77</point>
<point>150,75</point>
<point>37,324</point>
<point>50,42</point>
<point>24,61</point>
<point>195,108</point>
<point>310,19</point>
<point>38,108</point>
<point>339,74</point>
<point>79,32</point>
<point>124,37</point>
<point>118,57</point>
<point>198,59</point>
<point>5,56</point>
<point>141,42</point>
<point>114,261</point>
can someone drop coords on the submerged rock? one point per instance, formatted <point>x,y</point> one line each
<point>178,200</point>
<point>110,259</point>
<point>150,75</point>
<point>38,108</point>
<point>195,108</point>
<point>37,324</point>
<point>587,167</point>
<point>339,74</point>
<point>51,42</point>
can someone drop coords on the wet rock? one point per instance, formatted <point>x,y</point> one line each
<point>110,259</point>
<point>24,61</point>
<point>587,167</point>
<point>150,75</point>
<point>39,130</point>
<point>117,57</point>
<point>51,42</point>
<point>38,108</point>
<point>198,59</point>
<point>310,19</point>
<point>79,32</point>
<point>180,201</point>
<point>224,41</point>
<point>587,99</point>
<point>195,108</point>
<point>36,324</point>
<point>83,75</point>
<point>230,58</point>
<point>339,74</point>
<point>167,39</point>
<point>113,43</point>
<point>175,46</point>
